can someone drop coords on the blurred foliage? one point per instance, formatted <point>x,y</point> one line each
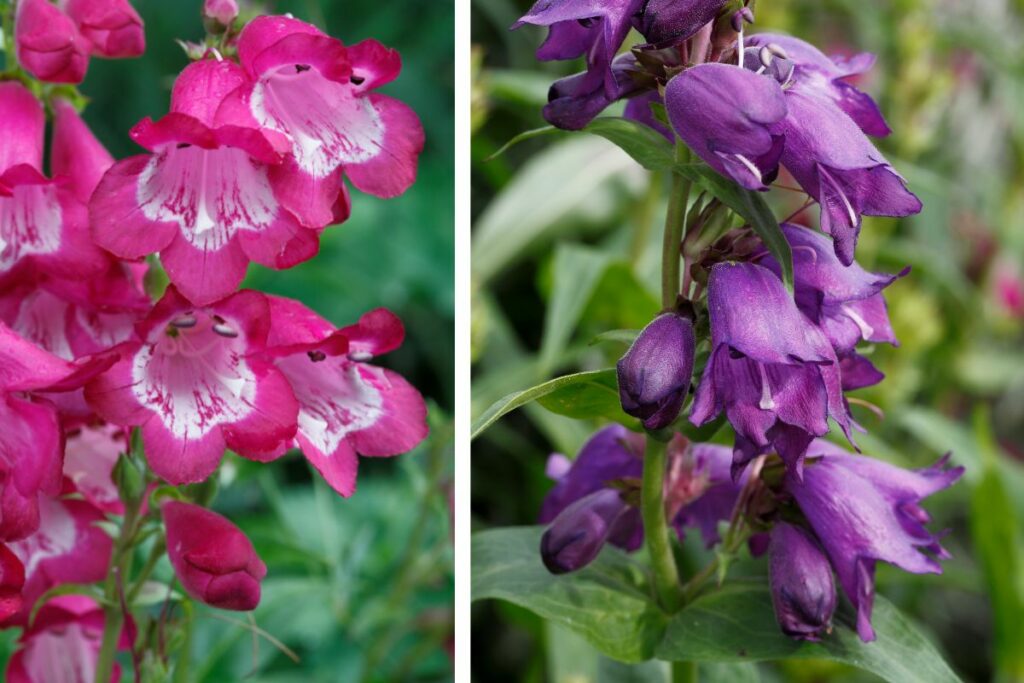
<point>358,588</point>
<point>950,80</point>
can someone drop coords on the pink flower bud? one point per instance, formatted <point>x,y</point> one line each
<point>49,44</point>
<point>223,11</point>
<point>213,559</point>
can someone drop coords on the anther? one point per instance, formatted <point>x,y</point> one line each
<point>777,50</point>
<point>360,356</point>
<point>299,68</point>
<point>317,356</point>
<point>184,322</point>
<point>225,331</point>
<point>356,80</point>
<point>740,16</point>
<point>766,56</point>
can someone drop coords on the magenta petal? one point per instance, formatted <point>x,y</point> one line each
<point>378,332</point>
<point>373,64</point>
<point>309,198</point>
<point>294,324</point>
<point>282,244</point>
<point>272,421</point>
<point>339,469</point>
<point>76,153</point>
<point>204,276</point>
<point>111,395</point>
<point>118,222</point>
<point>202,86</point>
<point>392,169</point>
<point>21,127</point>
<point>402,423</point>
<point>262,32</point>
<point>181,459</point>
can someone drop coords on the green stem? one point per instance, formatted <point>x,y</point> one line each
<point>685,672</point>
<point>159,546</point>
<point>181,667</point>
<point>652,505</point>
<point>675,220</point>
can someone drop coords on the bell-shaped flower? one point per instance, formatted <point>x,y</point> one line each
<point>195,383</point>
<point>347,407</point>
<point>575,537</point>
<point>865,511</point>
<point>69,547</point>
<point>12,582</point>
<point>654,375</point>
<point>319,95</point>
<point>587,28</point>
<point>215,562</point>
<point>112,27</point>
<point>44,225</point>
<point>732,118</point>
<point>207,196</point>
<point>803,592</point>
<point>62,645</point>
<point>771,370</point>
<point>49,44</point>
<point>32,442</point>
<point>670,22</point>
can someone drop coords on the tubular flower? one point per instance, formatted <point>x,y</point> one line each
<point>572,104</point>
<point>863,511</point>
<point>731,118</point>
<point>319,95</point>
<point>654,375</point>
<point>803,593</point>
<point>69,547</point>
<point>215,562</point>
<point>584,27</point>
<point>63,643</point>
<point>31,442</point>
<point>347,407</point>
<point>49,45</point>
<point>112,27</point>
<point>208,197</point>
<point>771,370</point>
<point>43,223</point>
<point>196,385</point>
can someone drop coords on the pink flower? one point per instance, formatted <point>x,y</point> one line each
<point>44,223</point>
<point>212,558</point>
<point>63,643</point>
<point>89,459</point>
<point>49,45</point>
<point>196,386</point>
<point>112,27</point>
<point>346,406</point>
<point>222,11</point>
<point>309,87</point>
<point>67,548</point>
<point>12,581</point>
<point>209,197</point>
<point>31,442</point>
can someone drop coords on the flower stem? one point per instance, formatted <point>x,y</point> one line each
<point>685,672</point>
<point>675,220</point>
<point>652,504</point>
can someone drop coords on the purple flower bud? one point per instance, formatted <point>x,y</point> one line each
<point>574,101</point>
<point>803,593</point>
<point>654,375</point>
<point>731,118</point>
<point>673,21</point>
<point>864,510</point>
<point>580,531</point>
<point>771,370</point>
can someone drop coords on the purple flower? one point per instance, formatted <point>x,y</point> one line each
<point>708,491</point>
<point>664,22</point>
<point>654,375</point>
<point>731,118</point>
<point>592,28</point>
<point>864,511</point>
<point>578,533</point>
<point>771,370</point>
<point>803,593</point>
<point>575,100</point>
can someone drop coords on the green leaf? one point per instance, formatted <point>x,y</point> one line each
<point>750,206</point>
<point>608,602</point>
<point>595,396</point>
<point>577,272</point>
<point>645,145</point>
<point>518,399</point>
<point>736,623</point>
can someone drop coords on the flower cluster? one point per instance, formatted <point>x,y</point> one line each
<point>779,361</point>
<point>250,164</point>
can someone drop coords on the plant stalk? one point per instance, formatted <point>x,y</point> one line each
<point>652,505</point>
<point>675,221</point>
<point>685,672</point>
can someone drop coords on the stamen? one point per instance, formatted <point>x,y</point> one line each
<point>766,57</point>
<point>866,330</point>
<point>750,166</point>
<point>217,54</point>
<point>777,50</point>
<point>224,330</point>
<point>767,402</point>
<point>879,413</point>
<point>185,322</point>
<point>360,356</point>
<point>810,250</point>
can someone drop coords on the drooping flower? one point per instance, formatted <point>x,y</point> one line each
<point>12,582</point>
<point>43,223</point>
<point>654,375</point>
<point>731,118</point>
<point>112,27</point>
<point>215,562</point>
<point>32,442</point>
<point>803,593</point>
<point>68,547</point>
<point>347,407</point>
<point>864,511</point>
<point>580,28</point>
<point>62,645</point>
<point>196,385</point>
<point>208,198</point>
<point>49,45</point>
<point>319,95</point>
<point>771,370</point>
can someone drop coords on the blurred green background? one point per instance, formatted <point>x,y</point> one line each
<point>950,80</point>
<point>358,587</point>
